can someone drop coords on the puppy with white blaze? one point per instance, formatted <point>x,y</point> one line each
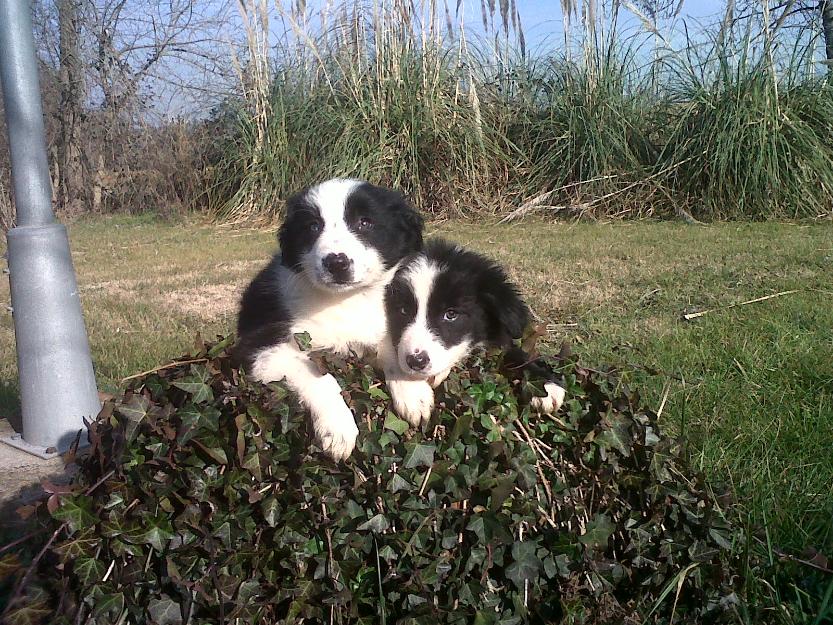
<point>340,245</point>
<point>444,302</point>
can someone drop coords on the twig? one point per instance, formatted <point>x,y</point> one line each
<point>664,399</point>
<point>813,565</point>
<point>691,316</point>
<point>175,363</point>
<point>425,481</point>
<point>15,543</point>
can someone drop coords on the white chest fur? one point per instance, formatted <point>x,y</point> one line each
<point>338,321</point>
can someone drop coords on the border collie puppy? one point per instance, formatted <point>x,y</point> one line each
<point>442,303</point>
<point>340,244</point>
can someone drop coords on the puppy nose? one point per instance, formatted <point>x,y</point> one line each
<point>417,361</point>
<point>336,264</point>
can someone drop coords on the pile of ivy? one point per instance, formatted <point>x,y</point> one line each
<point>203,500</point>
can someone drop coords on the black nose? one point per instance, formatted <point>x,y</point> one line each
<point>337,264</point>
<point>417,361</point>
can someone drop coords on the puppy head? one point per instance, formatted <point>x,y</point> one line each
<point>445,301</point>
<point>344,234</point>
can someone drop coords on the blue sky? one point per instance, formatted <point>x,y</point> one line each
<point>542,19</point>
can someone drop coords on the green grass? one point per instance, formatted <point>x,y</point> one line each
<point>750,388</point>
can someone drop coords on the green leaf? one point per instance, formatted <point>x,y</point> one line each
<point>394,423</point>
<point>271,511</point>
<point>421,455</point>
<point>89,571</point>
<point>397,483</point>
<point>136,409</point>
<point>379,523</point>
<point>303,340</point>
<point>525,564</point>
<point>156,532</point>
<point>618,436</point>
<point>597,532</point>
<point>200,391</point>
<point>77,511</point>
<point>164,611</point>
<point>110,605</point>
<point>252,464</point>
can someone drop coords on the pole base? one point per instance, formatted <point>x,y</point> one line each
<point>16,441</point>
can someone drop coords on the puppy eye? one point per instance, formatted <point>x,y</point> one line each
<point>365,223</point>
<point>314,226</point>
<point>450,315</point>
<point>403,310</point>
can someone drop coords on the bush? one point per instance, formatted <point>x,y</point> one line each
<point>201,501</point>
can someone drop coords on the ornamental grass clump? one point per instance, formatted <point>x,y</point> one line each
<point>202,500</point>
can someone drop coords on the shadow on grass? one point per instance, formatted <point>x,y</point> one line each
<point>10,403</point>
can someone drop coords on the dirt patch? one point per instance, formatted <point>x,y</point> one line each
<point>209,302</point>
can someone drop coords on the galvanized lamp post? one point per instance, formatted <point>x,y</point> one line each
<point>57,383</point>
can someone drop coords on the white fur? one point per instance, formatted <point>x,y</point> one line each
<point>336,238</point>
<point>418,336</point>
<point>338,321</point>
<point>552,402</point>
<point>413,400</point>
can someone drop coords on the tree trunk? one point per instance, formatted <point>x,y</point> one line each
<point>71,191</point>
<point>826,8</point>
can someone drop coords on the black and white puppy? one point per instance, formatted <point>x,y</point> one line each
<point>341,243</point>
<point>442,303</point>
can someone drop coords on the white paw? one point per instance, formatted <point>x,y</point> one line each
<point>439,378</point>
<point>413,400</point>
<point>334,423</point>
<point>552,402</point>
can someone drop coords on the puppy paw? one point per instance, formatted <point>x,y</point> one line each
<point>552,402</point>
<point>439,378</point>
<point>334,424</point>
<point>413,400</point>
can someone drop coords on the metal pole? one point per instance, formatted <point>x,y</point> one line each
<point>57,383</point>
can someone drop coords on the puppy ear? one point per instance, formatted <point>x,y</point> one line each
<point>413,224</point>
<point>287,240</point>
<point>409,219</point>
<point>508,313</point>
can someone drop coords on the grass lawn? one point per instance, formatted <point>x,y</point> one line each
<point>750,387</point>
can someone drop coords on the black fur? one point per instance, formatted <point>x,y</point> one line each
<point>263,320</point>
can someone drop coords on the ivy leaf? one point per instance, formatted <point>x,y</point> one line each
<point>421,455</point>
<point>271,511</point>
<point>164,611</point>
<point>77,511</point>
<point>597,532</point>
<point>89,571</point>
<point>618,436</point>
<point>9,564</point>
<point>303,340</point>
<point>525,564</point>
<point>395,424</point>
<point>200,391</point>
<point>135,409</point>
<point>377,524</point>
<point>109,605</point>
